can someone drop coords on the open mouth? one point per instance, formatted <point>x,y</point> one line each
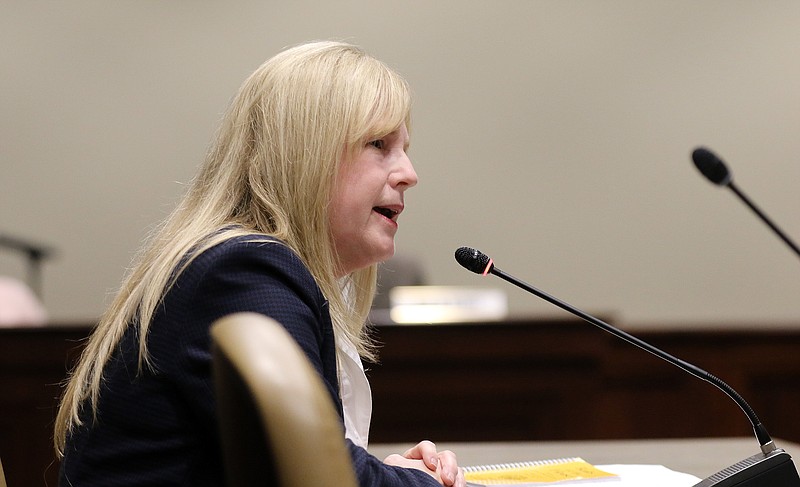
<point>390,214</point>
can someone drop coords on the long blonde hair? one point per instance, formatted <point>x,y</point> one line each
<point>270,171</point>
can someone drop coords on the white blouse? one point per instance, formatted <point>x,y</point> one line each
<point>355,392</point>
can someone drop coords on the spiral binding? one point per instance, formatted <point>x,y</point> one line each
<point>508,466</point>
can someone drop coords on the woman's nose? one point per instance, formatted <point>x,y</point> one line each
<point>406,175</point>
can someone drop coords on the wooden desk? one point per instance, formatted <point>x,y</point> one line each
<point>517,380</point>
<point>698,456</point>
<point>33,366</point>
<point>521,380</point>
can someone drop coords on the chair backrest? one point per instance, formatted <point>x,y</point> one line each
<point>278,425</point>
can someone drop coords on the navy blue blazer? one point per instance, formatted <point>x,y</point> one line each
<point>158,427</point>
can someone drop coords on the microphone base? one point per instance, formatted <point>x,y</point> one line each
<point>774,469</point>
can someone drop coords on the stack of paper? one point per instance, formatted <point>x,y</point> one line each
<point>564,472</point>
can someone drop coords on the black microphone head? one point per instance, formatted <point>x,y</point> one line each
<point>474,260</point>
<point>711,166</point>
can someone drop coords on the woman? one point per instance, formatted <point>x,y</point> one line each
<point>297,202</point>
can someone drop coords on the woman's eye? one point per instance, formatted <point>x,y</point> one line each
<point>378,144</point>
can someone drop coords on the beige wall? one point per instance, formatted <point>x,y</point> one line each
<point>552,135</point>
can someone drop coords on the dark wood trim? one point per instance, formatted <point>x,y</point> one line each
<point>566,380</point>
<point>521,379</point>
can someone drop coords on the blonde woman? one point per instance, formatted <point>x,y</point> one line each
<point>296,203</point>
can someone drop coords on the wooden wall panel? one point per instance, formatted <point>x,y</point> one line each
<point>527,379</point>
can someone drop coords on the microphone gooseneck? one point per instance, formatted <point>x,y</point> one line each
<point>715,170</point>
<point>773,466</point>
<point>479,263</point>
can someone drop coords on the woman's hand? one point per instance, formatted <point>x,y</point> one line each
<point>440,465</point>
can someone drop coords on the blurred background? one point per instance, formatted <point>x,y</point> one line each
<point>553,135</point>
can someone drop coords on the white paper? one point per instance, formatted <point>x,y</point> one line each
<point>645,476</point>
<point>633,476</point>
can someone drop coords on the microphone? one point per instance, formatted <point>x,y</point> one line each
<point>772,467</point>
<point>717,172</point>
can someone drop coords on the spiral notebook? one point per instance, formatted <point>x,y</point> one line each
<point>560,471</point>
